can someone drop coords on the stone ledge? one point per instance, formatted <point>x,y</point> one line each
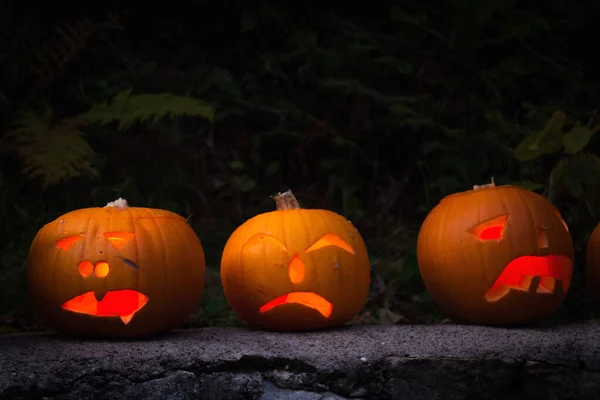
<point>369,362</point>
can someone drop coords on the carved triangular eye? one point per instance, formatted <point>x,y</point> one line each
<point>119,239</point>
<point>492,229</point>
<point>330,240</point>
<point>67,242</point>
<point>264,238</point>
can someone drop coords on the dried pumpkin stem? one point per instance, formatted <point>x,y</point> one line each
<point>118,203</point>
<point>286,201</point>
<point>487,185</point>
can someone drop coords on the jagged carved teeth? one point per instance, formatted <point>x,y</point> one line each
<point>524,283</point>
<point>520,273</point>
<point>127,318</point>
<point>547,285</point>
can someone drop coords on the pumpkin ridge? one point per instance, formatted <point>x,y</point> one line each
<point>530,213</point>
<point>133,220</point>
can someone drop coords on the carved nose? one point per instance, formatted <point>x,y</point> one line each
<point>101,269</point>
<point>296,270</point>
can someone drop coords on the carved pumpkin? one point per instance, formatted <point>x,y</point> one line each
<point>295,269</point>
<point>496,255</point>
<point>116,271</point>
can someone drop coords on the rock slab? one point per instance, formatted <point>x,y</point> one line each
<point>363,362</point>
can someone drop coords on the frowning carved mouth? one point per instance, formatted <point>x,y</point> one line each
<point>115,303</point>
<point>311,300</point>
<point>519,274</point>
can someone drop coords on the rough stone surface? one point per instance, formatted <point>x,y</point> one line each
<point>370,362</point>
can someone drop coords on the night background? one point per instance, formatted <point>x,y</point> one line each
<point>374,110</point>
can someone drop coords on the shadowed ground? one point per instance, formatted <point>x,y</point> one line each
<point>368,362</point>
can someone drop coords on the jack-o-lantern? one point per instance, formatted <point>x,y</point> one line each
<point>295,269</point>
<point>116,271</point>
<point>496,255</point>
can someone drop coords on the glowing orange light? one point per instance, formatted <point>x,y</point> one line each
<point>296,270</point>
<point>311,300</point>
<point>67,242</point>
<point>492,229</point>
<point>117,303</point>
<point>519,273</point>
<point>119,239</point>
<point>85,268</point>
<point>330,239</point>
<point>101,269</point>
<point>264,238</point>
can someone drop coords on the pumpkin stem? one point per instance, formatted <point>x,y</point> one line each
<point>487,185</point>
<point>286,201</point>
<point>118,203</point>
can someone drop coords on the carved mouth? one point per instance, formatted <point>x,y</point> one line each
<point>307,299</point>
<point>115,303</point>
<point>552,270</point>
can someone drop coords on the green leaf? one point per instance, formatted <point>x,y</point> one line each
<point>339,141</point>
<point>575,188</point>
<point>558,174</point>
<point>576,139</point>
<point>548,141</point>
<point>127,109</point>
<point>402,110</point>
<point>236,165</point>
<point>244,183</point>
<point>52,152</point>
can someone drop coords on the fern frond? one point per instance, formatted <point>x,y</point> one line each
<point>127,109</point>
<point>53,54</point>
<point>53,153</point>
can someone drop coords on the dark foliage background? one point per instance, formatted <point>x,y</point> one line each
<point>375,111</point>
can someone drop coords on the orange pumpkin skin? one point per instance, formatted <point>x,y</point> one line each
<point>116,272</point>
<point>274,259</point>
<point>496,256</point>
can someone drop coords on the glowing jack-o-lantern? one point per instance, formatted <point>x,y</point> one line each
<point>295,269</point>
<point>496,255</point>
<point>116,271</point>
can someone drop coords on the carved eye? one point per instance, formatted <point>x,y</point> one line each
<point>492,229</point>
<point>261,238</point>
<point>119,239</point>
<point>68,242</point>
<point>330,240</point>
